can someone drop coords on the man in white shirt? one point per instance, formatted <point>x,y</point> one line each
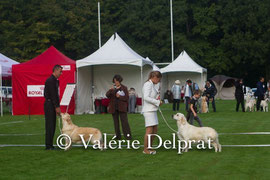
<point>188,92</point>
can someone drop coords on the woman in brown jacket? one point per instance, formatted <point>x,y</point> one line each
<point>118,106</point>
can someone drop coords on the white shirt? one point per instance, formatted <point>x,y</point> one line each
<point>150,97</point>
<point>187,91</point>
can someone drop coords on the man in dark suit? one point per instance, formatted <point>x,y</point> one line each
<point>210,92</point>
<point>239,94</point>
<point>51,105</point>
<point>260,93</point>
<point>118,106</point>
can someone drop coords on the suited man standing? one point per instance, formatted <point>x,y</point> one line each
<point>239,94</point>
<point>51,105</point>
<point>118,106</point>
<point>260,92</point>
<point>210,92</point>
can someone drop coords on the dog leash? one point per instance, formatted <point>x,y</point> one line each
<point>59,120</point>
<point>166,121</point>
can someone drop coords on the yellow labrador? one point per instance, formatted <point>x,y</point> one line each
<point>189,132</point>
<point>74,132</point>
<point>204,106</point>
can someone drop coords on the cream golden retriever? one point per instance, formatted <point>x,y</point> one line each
<point>250,104</point>
<point>74,131</point>
<point>189,132</point>
<point>204,106</point>
<point>264,104</point>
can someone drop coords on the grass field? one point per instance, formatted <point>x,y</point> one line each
<point>79,163</point>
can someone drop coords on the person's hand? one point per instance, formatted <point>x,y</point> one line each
<point>161,102</point>
<point>58,111</point>
<point>112,87</point>
<point>195,114</point>
<point>117,95</point>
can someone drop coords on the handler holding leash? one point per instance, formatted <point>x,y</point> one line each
<point>51,105</point>
<point>151,102</point>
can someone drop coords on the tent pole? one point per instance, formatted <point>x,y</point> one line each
<point>76,92</point>
<point>1,91</point>
<point>92,88</point>
<point>142,81</point>
<point>202,79</point>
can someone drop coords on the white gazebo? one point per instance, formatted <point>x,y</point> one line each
<point>182,68</point>
<point>5,72</point>
<point>95,72</point>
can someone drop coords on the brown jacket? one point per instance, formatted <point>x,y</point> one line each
<point>122,100</point>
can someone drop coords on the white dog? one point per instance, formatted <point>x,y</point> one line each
<point>264,104</point>
<point>189,132</point>
<point>250,105</point>
<point>74,131</point>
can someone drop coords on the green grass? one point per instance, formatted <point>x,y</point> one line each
<point>80,163</point>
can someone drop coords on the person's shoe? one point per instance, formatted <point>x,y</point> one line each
<point>51,148</point>
<point>150,152</point>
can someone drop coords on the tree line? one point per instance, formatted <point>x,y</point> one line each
<point>226,37</point>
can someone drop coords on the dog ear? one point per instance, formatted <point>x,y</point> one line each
<point>183,120</point>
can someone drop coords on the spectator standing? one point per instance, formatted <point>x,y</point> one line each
<point>176,90</point>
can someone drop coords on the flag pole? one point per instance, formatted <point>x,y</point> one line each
<point>99,33</point>
<point>172,30</point>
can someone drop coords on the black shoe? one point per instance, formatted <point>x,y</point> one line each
<point>50,148</point>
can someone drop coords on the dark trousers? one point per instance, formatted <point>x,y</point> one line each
<point>50,122</point>
<point>124,122</point>
<point>240,100</point>
<point>260,98</point>
<point>213,103</point>
<point>190,118</point>
<point>176,103</point>
<point>187,102</point>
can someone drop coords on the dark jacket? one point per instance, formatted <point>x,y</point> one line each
<point>121,102</point>
<point>210,92</point>
<point>239,89</point>
<point>260,90</point>
<point>51,90</point>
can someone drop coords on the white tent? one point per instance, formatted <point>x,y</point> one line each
<point>6,64</point>
<point>183,68</point>
<point>95,72</point>
<point>5,72</point>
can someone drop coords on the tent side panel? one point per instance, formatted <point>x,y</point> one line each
<point>84,102</point>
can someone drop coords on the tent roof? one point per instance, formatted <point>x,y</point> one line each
<point>49,57</point>
<point>155,68</point>
<point>114,51</point>
<point>221,78</point>
<point>6,64</point>
<point>183,63</point>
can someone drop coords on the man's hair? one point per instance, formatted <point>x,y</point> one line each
<point>197,92</point>
<point>56,67</point>
<point>189,81</point>
<point>117,77</point>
